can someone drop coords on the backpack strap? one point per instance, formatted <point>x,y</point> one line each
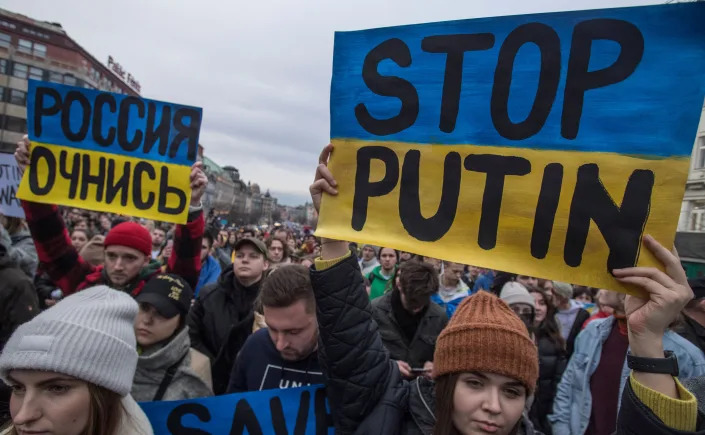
<point>168,377</point>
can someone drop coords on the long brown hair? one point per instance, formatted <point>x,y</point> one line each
<point>549,325</point>
<point>445,390</point>
<point>106,412</point>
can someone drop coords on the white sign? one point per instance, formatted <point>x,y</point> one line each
<point>10,176</point>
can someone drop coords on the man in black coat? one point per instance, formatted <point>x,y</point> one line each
<point>222,316</point>
<point>409,323</point>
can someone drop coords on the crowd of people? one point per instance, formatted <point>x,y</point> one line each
<point>101,311</point>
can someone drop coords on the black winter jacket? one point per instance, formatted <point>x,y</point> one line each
<point>552,364</point>
<point>220,321</point>
<point>366,392</point>
<point>420,349</point>
<point>635,418</point>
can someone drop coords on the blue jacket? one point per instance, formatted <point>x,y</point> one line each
<point>449,306</point>
<point>573,403</point>
<point>210,271</point>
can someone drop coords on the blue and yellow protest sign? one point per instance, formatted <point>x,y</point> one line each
<point>110,152</point>
<point>544,145</point>
<point>288,411</point>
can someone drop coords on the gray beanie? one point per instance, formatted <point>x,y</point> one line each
<point>515,293</point>
<point>563,289</point>
<point>89,335</point>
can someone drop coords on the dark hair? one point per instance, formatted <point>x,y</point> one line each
<point>208,235</point>
<point>580,290</point>
<point>549,325</point>
<point>500,279</point>
<point>418,280</point>
<point>87,232</point>
<point>285,286</point>
<point>379,253</point>
<point>445,392</point>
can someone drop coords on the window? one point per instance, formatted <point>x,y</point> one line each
<point>70,80</point>
<point>15,124</point>
<point>2,93</point>
<point>25,46</point>
<point>700,147</point>
<point>36,73</point>
<point>3,66</point>
<point>20,70</point>
<point>55,77</point>
<point>5,40</point>
<point>40,50</point>
<point>7,24</point>
<point>17,97</point>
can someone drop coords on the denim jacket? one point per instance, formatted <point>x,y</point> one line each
<point>573,403</point>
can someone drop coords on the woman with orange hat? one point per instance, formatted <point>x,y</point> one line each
<point>485,362</point>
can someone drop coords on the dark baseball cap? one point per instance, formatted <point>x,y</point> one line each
<point>169,294</point>
<point>256,243</point>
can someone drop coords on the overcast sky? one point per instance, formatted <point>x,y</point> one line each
<point>260,69</point>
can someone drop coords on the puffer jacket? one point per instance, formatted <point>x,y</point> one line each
<point>552,363</point>
<point>21,249</point>
<point>420,348</point>
<point>365,390</point>
<point>152,366</point>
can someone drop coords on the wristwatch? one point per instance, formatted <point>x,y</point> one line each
<point>667,365</point>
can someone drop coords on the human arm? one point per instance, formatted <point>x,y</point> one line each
<point>665,294</point>
<point>51,238</point>
<point>351,353</point>
<point>196,328</point>
<point>185,259</point>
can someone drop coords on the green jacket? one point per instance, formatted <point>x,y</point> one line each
<point>378,283</point>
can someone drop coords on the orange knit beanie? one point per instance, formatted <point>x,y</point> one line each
<point>484,335</point>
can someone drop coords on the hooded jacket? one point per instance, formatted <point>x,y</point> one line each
<point>368,266</point>
<point>365,390</point>
<point>152,366</point>
<point>21,250</point>
<point>259,366</point>
<point>210,272</point>
<point>220,321</point>
<point>378,282</point>
<point>571,322</point>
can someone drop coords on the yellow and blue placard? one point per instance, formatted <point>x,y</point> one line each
<point>110,152</point>
<point>544,145</point>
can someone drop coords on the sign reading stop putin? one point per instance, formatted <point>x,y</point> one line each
<point>545,145</point>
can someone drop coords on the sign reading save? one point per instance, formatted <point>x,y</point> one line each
<point>544,145</point>
<point>110,152</point>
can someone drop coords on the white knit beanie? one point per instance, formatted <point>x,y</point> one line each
<point>89,335</point>
<point>515,293</point>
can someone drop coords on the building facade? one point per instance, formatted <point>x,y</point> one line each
<point>39,50</point>
<point>692,217</point>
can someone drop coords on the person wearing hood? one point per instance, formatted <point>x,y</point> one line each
<point>71,368</point>
<point>167,367</point>
<point>475,389</point>
<point>20,247</point>
<point>570,314</point>
<point>284,353</point>
<point>368,261</point>
<point>452,290</point>
<point>18,304</point>
<point>222,315</point>
<point>128,245</point>
<point>381,275</point>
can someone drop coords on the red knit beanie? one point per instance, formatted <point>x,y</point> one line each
<point>132,235</point>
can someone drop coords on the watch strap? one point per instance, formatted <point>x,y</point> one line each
<point>667,365</point>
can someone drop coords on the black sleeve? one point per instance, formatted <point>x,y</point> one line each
<point>356,365</point>
<point>635,418</point>
<point>196,327</point>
